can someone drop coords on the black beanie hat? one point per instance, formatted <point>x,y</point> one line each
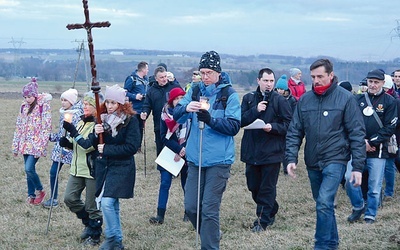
<point>210,60</point>
<point>346,85</point>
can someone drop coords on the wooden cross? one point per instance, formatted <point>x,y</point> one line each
<point>88,26</point>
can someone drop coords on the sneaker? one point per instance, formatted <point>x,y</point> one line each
<point>47,204</point>
<point>39,197</point>
<point>356,215</point>
<point>30,200</point>
<point>369,221</point>
<point>91,241</point>
<point>257,229</point>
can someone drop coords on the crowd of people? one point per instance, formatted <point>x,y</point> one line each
<point>351,137</point>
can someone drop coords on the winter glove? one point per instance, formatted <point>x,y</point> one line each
<point>70,128</point>
<point>65,143</point>
<point>204,116</point>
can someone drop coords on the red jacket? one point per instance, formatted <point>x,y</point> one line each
<point>296,89</point>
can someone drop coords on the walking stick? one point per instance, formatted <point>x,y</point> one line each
<point>201,127</point>
<point>53,191</point>
<point>144,147</point>
<point>67,117</point>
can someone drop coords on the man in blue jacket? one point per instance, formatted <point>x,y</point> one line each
<point>263,149</point>
<point>137,85</point>
<point>221,124</point>
<point>334,129</point>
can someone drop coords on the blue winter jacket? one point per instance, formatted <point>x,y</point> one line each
<point>134,84</point>
<point>218,147</point>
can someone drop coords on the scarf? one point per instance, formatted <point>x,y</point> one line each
<point>111,122</point>
<point>172,125</point>
<point>321,89</point>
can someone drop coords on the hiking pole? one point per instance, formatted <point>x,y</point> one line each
<point>67,117</point>
<point>206,106</point>
<point>144,147</point>
<point>201,127</point>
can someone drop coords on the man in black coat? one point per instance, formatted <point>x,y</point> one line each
<point>156,98</point>
<point>263,149</point>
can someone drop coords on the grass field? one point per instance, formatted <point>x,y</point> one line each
<point>24,226</point>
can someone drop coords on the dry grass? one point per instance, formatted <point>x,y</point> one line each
<point>24,226</point>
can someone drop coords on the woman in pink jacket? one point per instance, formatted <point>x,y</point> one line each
<point>31,136</point>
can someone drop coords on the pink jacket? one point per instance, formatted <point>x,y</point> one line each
<point>32,131</point>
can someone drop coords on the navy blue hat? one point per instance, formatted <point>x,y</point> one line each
<point>363,82</point>
<point>162,65</point>
<point>376,74</point>
<point>346,85</point>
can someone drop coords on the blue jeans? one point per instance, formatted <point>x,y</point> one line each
<point>212,186</point>
<point>111,217</point>
<point>165,185</point>
<point>390,177</point>
<point>32,178</point>
<point>375,168</point>
<point>53,181</point>
<point>324,185</point>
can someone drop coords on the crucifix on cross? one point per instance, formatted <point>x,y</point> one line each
<point>88,25</point>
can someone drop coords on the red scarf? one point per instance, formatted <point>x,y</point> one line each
<point>321,89</point>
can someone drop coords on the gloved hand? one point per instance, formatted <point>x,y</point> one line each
<point>65,143</point>
<point>70,128</point>
<point>204,116</point>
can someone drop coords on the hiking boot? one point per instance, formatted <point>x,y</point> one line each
<point>30,200</point>
<point>85,233</point>
<point>185,217</point>
<point>257,229</point>
<point>159,219</point>
<point>91,241</point>
<point>356,215</point>
<point>110,243</point>
<point>47,204</point>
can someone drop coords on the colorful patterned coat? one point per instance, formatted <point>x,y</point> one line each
<point>55,137</point>
<point>32,130</point>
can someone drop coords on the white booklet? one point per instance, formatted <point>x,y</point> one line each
<point>166,160</point>
<point>257,124</point>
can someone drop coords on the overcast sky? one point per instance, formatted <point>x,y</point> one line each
<point>359,30</point>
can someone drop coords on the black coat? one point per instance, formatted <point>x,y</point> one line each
<point>117,167</point>
<point>259,147</point>
<point>333,128</point>
<point>156,97</point>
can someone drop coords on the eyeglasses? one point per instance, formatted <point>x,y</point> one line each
<point>207,73</point>
<point>195,73</point>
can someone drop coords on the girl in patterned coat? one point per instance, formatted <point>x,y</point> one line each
<point>60,155</point>
<point>31,136</point>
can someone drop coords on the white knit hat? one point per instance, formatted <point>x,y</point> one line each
<point>70,95</point>
<point>388,82</point>
<point>294,71</point>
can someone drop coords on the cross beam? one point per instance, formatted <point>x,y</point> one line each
<point>88,25</point>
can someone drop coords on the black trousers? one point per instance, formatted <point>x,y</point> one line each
<point>261,181</point>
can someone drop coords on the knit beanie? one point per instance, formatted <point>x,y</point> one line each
<point>162,65</point>
<point>70,95</point>
<point>282,83</point>
<point>294,71</point>
<point>174,93</point>
<point>30,89</point>
<point>388,82</point>
<point>89,97</point>
<point>115,93</point>
<point>210,60</point>
<point>346,85</point>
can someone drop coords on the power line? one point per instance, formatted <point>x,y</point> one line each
<point>17,46</point>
